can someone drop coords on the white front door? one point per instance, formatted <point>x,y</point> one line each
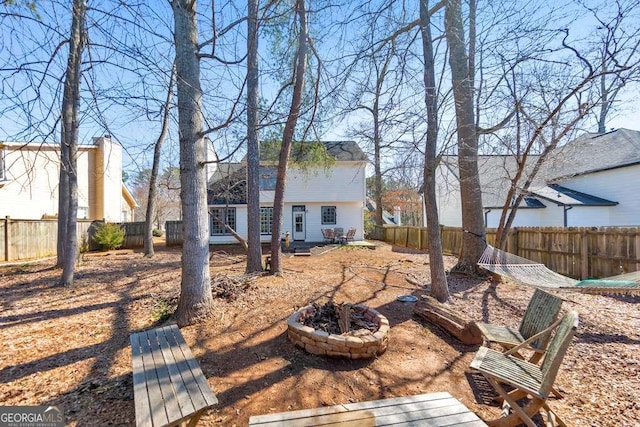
<point>299,223</point>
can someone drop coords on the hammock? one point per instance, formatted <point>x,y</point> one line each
<point>527,272</point>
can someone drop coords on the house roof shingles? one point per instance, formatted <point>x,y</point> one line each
<point>589,153</point>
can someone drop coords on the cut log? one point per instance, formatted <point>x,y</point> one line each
<point>344,320</point>
<point>441,315</point>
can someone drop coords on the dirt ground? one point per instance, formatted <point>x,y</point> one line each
<point>70,346</point>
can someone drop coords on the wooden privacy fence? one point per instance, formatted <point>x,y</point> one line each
<point>578,252</point>
<point>22,239</point>
<point>173,233</point>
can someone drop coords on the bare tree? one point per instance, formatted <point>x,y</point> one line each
<point>300,64</point>
<point>616,50</point>
<point>195,290</point>
<point>470,192</point>
<point>563,96</point>
<point>153,184</point>
<point>439,288</point>
<point>254,252</point>
<point>68,189</point>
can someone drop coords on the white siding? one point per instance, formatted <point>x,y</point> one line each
<point>349,214</point>
<point>618,185</point>
<point>448,197</point>
<point>343,187</point>
<point>31,189</point>
<point>344,182</point>
<point>551,216</point>
<point>112,163</point>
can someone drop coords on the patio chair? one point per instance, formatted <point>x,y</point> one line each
<point>338,234</point>
<point>327,235</point>
<point>541,312</point>
<point>528,380</point>
<point>350,235</point>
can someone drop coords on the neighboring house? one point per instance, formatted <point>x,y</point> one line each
<point>591,181</point>
<point>314,198</point>
<point>30,173</point>
<point>387,218</point>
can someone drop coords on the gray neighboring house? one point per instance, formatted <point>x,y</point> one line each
<point>387,217</point>
<point>314,199</point>
<point>590,181</point>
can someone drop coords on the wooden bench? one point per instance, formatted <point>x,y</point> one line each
<point>168,384</point>
<point>433,409</point>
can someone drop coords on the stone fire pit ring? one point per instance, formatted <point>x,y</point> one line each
<point>349,346</point>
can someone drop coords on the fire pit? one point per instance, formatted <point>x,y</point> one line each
<point>354,332</point>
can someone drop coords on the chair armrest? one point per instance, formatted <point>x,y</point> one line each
<point>533,338</point>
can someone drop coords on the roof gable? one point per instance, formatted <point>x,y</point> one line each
<point>591,153</point>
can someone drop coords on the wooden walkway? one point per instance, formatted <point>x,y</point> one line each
<point>430,410</point>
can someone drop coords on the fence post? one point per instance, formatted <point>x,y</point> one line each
<point>584,255</point>
<point>637,239</point>
<point>7,238</point>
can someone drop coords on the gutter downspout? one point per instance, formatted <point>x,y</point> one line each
<point>486,217</point>
<point>566,208</point>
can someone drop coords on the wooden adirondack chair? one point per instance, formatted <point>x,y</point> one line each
<point>527,379</point>
<point>541,312</point>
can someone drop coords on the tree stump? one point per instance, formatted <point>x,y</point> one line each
<point>441,315</point>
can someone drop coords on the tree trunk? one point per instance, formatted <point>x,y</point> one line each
<point>473,242</point>
<point>439,288</point>
<point>63,199</point>
<point>377,169</point>
<point>195,290</point>
<point>254,249</point>
<point>153,179</point>
<point>287,138</point>
<point>68,237</point>
<point>377,138</point>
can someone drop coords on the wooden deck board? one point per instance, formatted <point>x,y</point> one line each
<point>201,381</point>
<point>434,409</point>
<point>182,396</point>
<point>169,386</point>
<point>172,408</point>
<point>142,407</point>
<point>158,415</point>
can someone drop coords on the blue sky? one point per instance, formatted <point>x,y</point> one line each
<point>130,88</point>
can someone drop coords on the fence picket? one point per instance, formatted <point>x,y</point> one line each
<point>578,252</point>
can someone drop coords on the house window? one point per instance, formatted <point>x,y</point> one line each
<point>328,214</point>
<point>228,215</point>
<point>266,219</point>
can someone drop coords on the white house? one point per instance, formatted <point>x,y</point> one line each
<point>590,181</point>
<point>315,198</point>
<point>30,173</point>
